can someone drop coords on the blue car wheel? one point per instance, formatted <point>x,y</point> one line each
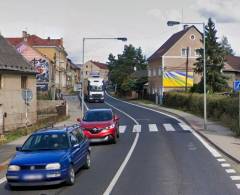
<point>71,176</point>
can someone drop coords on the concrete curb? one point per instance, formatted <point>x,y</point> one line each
<point>197,131</point>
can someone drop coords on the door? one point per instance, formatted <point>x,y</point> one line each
<point>75,151</point>
<point>82,145</point>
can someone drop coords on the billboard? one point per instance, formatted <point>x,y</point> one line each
<point>177,79</point>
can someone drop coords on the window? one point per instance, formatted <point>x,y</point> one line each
<point>149,72</point>
<point>197,52</point>
<point>86,72</point>
<point>184,51</point>
<point>154,72</point>
<point>160,71</point>
<point>73,139</point>
<point>23,82</point>
<point>192,37</point>
<point>79,135</point>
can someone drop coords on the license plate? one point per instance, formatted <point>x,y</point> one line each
<point>33,177</point>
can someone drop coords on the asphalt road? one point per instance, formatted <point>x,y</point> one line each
<point>161,157</point>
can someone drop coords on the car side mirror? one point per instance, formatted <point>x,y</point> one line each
<point>18,148</point>
<point>79,120</point>
<point>116,117</point>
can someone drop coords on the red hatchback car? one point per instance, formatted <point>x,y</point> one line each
<point>100,125</point>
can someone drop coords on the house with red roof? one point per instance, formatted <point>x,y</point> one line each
<point>232,69</point>
<point>173,62</point>
<point>52,49</point>
<point>95,68</point>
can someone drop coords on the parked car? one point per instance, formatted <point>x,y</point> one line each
<point>49,156</point>
<point>100,125</point>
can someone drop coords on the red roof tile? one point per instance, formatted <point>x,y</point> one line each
<point>34,40</point>
<point>100,65</point>
<point>232,64</point>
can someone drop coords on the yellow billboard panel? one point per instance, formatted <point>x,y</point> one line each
<point>174,79</point>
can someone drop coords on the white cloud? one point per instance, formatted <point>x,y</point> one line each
<point>222,11</point>
<point>164,15</point>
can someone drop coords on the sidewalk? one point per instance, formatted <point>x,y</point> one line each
<point>9,149</point>
<point>221,137</point>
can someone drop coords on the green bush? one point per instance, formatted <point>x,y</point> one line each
<point>219,107</point>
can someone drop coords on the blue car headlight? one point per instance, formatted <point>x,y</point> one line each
<point>53,166</point>
<point>13,168</point>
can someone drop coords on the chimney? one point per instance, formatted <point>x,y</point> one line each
<point>24,35</point>
<point>185,26</point>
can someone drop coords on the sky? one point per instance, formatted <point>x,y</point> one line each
<point>143,22</point>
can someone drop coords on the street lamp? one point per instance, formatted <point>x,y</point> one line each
<point>173,23</point>
<point>94,38</point>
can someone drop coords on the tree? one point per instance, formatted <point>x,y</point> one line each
<point>122,68</point>
<point>215,56</point>
<point>226,46</point>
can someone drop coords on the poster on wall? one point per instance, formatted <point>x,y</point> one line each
<point>177,79</point>
<point>42,69</point>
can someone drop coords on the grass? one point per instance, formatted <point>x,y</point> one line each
<point>23,131</point>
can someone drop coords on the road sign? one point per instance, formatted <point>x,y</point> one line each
<point>27,95</point>
<point>236,85</point>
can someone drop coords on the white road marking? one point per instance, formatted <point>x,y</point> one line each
<point>212,150</point>
<point>137,128</point>
<point>3,180</point>
<point>122,128</point>
<point>234,178</point>
<point>230,171</point>
<point>185,127</point>
<point>238,186</point>
<point>168,127</point>
<point>125,161</point>
<point>225,165</point>
<point>152,127</point>
<point>221,160</point>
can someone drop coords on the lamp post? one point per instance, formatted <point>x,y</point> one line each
<point>83,61</point>
<point>173,23</point>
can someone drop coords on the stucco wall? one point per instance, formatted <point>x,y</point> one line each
<point>12,102</point>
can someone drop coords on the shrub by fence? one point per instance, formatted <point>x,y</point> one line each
<point>219,107</point>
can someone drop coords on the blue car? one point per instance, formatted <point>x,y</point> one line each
<point>49,157</point>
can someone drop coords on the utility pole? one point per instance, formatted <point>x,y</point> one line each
<point>187,60</point>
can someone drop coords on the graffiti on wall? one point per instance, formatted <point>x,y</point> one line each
<point>42,69</point>
<point>177,79</point>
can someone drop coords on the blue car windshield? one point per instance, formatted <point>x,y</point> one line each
<point>57,141</point>
<point>91,116</point>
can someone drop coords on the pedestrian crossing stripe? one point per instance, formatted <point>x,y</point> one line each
<point>122,128</point>
<point>185,127</point>
<point>152,127</point>
<point>168,127</point>
<point>137,128</point>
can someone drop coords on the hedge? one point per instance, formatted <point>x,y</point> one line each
<point>220,108</point>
